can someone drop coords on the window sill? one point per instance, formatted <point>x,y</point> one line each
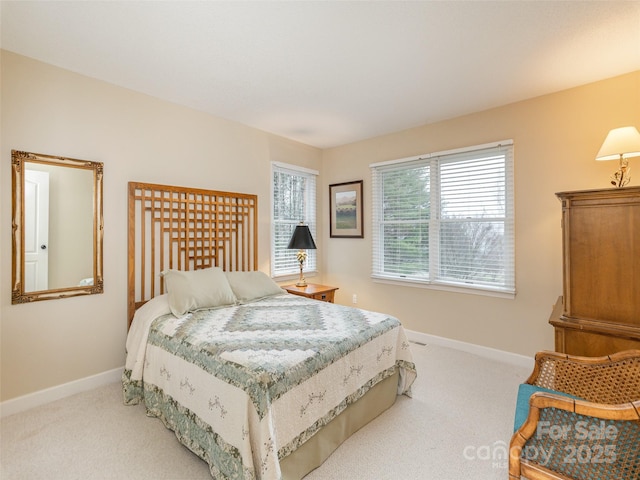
<point>293,276</point>
<point>444,287</point>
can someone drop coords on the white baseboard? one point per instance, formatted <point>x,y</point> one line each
<point>20,404</point>
<point>487,352</point>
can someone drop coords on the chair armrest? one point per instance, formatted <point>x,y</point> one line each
<point>594,378</point>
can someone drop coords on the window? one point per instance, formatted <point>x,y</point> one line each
<point>446,219</point>
<point>294,201</point>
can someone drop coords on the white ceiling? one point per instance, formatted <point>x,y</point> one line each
<point>327,73</point>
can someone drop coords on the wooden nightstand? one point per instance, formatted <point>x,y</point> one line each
<point>313,290</point>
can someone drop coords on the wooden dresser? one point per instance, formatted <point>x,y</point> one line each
<point>599,312</point>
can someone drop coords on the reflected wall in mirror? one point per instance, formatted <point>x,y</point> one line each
<point>57,227</point>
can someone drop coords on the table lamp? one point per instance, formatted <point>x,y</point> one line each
<point>620,144</point>
<point>301,240</point>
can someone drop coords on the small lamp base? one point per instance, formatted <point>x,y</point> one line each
<point>622,176</point>
<point>302,282</point>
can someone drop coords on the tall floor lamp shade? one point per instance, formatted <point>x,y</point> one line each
<point>620,144</point>
<point>302,241</point>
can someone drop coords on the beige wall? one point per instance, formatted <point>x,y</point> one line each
<point>556,138</point>
<point>53,111</point>
<point>139,138</point>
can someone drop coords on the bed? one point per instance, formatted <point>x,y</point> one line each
<point>259,383</point>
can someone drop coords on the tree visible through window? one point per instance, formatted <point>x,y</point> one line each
<point>446,219</point>
<point>405,221</point>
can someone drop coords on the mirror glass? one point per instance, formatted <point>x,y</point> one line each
<point>57,227</point>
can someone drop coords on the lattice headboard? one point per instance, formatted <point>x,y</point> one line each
<point>186,229</point>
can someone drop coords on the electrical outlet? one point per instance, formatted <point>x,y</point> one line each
<point>354,299</point>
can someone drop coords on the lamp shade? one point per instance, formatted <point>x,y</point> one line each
<point>620,143</point>
<point>302,239</point>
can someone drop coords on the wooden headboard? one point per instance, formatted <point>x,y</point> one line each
<point>186,229</point>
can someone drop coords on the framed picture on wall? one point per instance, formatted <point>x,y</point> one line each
<point>345,210</point>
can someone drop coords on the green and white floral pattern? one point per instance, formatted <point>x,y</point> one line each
<point>244,386</point>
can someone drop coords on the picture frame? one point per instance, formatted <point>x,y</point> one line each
<point>346,210</point>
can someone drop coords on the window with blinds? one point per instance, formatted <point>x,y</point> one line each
<point>446,219</point>
<point>294,201</point>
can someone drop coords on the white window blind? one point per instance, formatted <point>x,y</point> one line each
<point>294,201</point>
<point>446,219</point>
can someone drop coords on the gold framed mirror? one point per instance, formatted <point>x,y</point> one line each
<point>57,227</point>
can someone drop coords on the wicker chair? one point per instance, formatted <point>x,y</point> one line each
<point>597,438</point>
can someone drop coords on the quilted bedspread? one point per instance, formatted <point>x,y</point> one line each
<point>243,386</point>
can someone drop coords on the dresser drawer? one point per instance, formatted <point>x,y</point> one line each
<point>324,296</point>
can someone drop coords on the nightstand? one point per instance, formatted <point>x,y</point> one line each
<point>313,290</point>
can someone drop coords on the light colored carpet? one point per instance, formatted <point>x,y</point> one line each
<point>457,425</point>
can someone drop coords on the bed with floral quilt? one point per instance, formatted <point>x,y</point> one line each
<point>259,383</point>
<point>248,379</point>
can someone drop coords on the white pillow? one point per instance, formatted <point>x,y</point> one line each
<point>195,289</point>
<point>248,286</point>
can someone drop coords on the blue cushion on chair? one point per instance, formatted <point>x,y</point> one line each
<point>522,403</point>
